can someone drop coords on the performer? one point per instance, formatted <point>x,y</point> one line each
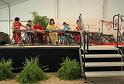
<point>77,37</point>
<point>29,25</point>
<point>67,36</point>
<point>38,35</point>
<point>66,26</point>
<point>37,26</point>
<point>17,35</point>
<point>78,28</point>
<point>29,35</point>
<point>53,36</point>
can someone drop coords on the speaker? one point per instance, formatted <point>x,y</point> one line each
<point>4,38</point>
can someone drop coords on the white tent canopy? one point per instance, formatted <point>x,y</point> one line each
<point>8,3</point>
<point>91,10</point>
<point>5,3</point>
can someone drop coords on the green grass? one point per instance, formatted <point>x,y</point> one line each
<point>5,69</point>
<point>69,70</point>
<point>31,72</point>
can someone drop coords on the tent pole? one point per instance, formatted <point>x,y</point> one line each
<point>57,8</point>
<point>9,21</point>
<point>9,18</point>
<point>104,9</point>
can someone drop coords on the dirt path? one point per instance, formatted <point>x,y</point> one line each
<point>53,79</point>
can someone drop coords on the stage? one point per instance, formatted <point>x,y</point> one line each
<point>50,57</point>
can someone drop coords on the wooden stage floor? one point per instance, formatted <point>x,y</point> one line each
<point>91,47</point>
<point>40,46</point>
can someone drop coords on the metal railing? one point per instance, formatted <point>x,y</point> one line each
<point>84,46</point>
<point>120,36</point>
<point>117,17</point>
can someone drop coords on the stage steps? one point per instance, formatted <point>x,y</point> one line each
<point>102,47</point>
<point>103,56</point>
<point>104,64</point>
<point>105,74</point>
<point>103,61</point>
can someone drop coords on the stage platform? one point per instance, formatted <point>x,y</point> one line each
<point>49,56</point>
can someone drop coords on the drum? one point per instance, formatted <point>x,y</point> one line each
<point>4,38</point>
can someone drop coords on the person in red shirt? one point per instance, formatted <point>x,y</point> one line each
<point>17,35</point>
<point>37,26</point>
<point>38,35</point>
<point>78,27</point>
<point>77,36</point>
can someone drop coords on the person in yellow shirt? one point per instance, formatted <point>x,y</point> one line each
<point>53,35</point>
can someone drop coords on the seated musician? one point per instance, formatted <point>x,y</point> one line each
<point>53,35</point>
<point>66,38</point>
<point>17,35</point>
<point>38,34</point>
<point>77,37</point>
<point>29,25</point>
<point>29,34</point>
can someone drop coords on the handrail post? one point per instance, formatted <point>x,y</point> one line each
<point>84,36</point>
<point>82,42</point>
<point>114,21</point>
<point>87,41</point>
<point>118,27</point>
